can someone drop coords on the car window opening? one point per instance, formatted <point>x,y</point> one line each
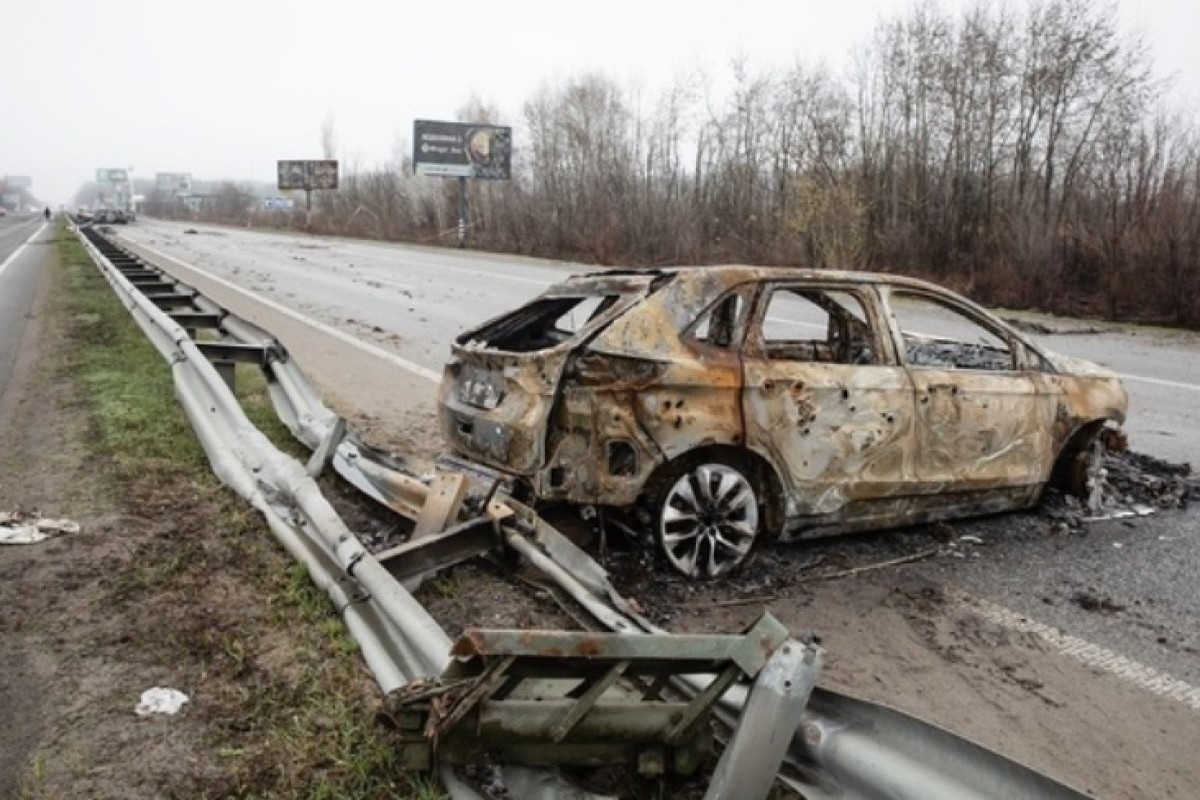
<point>939,337</point>
<point>718,325</point>
<point>818,326</point>
<point>543,323</point>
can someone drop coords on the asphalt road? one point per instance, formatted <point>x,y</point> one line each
<point>20,273</point>
<point>1126,586</point>
<point>415,300</point>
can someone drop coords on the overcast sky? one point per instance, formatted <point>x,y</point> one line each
<point>223,88</point>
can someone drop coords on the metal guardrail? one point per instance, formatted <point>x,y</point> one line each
<point>831,746</point>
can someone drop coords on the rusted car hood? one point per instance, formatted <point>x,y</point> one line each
<point>1079,367</point>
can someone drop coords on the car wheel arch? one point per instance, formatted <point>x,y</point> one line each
<point>765,474</point>
<point>1064,470</point>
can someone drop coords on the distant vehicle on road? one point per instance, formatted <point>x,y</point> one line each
<point>727,404</point>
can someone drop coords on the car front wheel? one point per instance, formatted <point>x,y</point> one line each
<point>707,519</point>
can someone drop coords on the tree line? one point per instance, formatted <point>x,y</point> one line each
<point>1026,156</point>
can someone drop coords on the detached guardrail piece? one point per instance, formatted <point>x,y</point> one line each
<point>547,698</point>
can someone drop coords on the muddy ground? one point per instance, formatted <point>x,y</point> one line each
<point>85,632</point>
<point>171,582</point>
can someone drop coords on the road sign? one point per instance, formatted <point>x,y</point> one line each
<point>462,150</point>
<point>12,182</point>
<point>308,175</point>
<point>112,176</point>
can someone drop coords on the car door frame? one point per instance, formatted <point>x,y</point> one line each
<point>977,429</point>
<point>840,435</point>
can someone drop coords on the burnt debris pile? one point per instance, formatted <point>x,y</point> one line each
<point>1138,479</point>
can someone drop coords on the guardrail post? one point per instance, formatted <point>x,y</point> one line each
<point>769,720</point>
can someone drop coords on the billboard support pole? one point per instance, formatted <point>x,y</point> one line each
<point>462,212</point>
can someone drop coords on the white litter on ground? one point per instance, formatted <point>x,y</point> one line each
<point>1122,513</point>
<point>18,528</point>
<point>160,700</point>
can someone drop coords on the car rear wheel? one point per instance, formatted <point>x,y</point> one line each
<point>707,518</point>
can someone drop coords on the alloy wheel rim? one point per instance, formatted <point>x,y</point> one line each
<point>709,520</point>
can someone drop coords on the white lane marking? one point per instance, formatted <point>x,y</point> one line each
<point>15,253</point>
<point>1159,382</point>
<point>342,336</point>
<point>1091,655</point>
<point>797,322</point>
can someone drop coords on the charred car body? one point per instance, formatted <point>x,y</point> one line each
<point>737,402</point>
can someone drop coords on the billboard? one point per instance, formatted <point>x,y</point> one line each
<point>12,182</point>
<point>308,174</point>
<point>173,182</point>
<point>462,150</point>
<point>112,176</point>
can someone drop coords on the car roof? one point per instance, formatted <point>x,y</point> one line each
<point>733,274</point>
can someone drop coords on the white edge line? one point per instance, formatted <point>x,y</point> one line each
<point>15,253</point>
<point>1090,655</point>
<point>374,350</point>
<point>1159,382</point>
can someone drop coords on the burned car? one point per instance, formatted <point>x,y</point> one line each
<point>727,404</point>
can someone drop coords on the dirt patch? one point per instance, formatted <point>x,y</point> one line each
<point>172,581</point>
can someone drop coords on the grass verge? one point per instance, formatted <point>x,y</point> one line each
<point>284,704</point>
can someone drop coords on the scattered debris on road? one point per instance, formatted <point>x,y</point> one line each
<point>20,528</point>
<point>1124,484</point>
<point>1090,602</point>
<point>160,700</point>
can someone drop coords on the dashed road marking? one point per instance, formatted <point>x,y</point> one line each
<point>1091,655</point>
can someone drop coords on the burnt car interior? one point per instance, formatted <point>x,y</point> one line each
<point>949,339</point>
<point>847,338</point>
<point>544,323</point>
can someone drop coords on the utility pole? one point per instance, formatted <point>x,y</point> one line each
<point>462,212</point>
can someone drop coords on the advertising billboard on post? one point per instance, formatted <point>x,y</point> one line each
<point>173,182</point>
<point>112,176</point>
<point>12,182</point>
<point>462,150</point>
<point>307,174</point>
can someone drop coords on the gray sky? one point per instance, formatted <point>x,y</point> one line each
<point>223,88</point>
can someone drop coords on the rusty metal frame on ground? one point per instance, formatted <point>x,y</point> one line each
<point>831,745</point>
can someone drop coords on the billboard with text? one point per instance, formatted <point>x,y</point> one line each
<point>307,174</point>
<point>173,182</point>
<point>112,176</point>
<point>462,150</point>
